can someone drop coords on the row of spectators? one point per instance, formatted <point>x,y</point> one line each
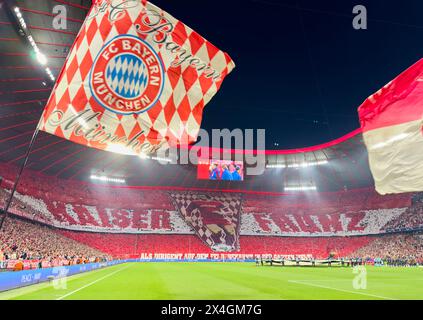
<point>21,240</point>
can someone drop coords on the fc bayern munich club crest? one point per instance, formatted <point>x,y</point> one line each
<point>127,76</point>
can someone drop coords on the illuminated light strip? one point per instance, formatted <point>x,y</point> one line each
<point>20,18</point>
<point>307,164</point>
<point>301,188</point>
<point>107,179</point>
<point>275,166</point>
<point>42,59</point>
<point>144,156</point>
<point>162,159</point>
<point>298,165</point>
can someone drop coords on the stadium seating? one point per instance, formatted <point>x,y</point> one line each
<point>404,247</point>
<point>317,247</point>
<point>30,241</point>
<point>125,210</point>
<point>126,222</point>
<point>130,245</point>
<point>126,245</point>
<point>33,241</point>
<point>412,219</point>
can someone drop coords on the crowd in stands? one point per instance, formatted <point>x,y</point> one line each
<point>126,245</point>
<point>318,247</point>
<point>410,220</point>
<point>51,189</point>
<point>97,222</point>
<point>28,241</point>
<point>152,211</point>
<point>394,249</point>
<point>132,245</point>
<point>417,198</point>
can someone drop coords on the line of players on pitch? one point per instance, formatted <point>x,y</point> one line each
<point>297,261</point>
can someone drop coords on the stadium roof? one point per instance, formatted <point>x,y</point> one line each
<point>25,86</point>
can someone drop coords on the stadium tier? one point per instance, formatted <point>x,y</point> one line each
<point>133,222</point>
<point>133,246</point>
<point>41,246</point>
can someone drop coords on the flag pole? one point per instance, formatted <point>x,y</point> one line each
<point>21,169</point>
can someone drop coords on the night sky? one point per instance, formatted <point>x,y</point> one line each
<point>302,69</point>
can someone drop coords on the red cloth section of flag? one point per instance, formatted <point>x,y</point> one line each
<point>135,80</point>
<point>400,101</point>
<point>392,125</point>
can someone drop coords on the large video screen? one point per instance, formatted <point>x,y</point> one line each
<point>223,170</point>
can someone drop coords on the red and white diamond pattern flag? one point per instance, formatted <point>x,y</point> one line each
<point>135,80</point>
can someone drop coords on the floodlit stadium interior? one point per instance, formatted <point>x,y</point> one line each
<point>313,206</point>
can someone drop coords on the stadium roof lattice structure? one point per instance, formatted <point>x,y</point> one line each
<point>25,87</point>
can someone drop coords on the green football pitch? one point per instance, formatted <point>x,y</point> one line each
<point>238,281</point>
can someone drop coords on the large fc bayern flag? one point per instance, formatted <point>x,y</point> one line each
<point>392,123</point>
<point>215,218</point>
<point>135,80</point>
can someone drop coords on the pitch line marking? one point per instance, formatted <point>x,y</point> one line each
<point>93,282</point>
<point>342,290</point>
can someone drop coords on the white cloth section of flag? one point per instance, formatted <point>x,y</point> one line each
<point>392,124</point>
